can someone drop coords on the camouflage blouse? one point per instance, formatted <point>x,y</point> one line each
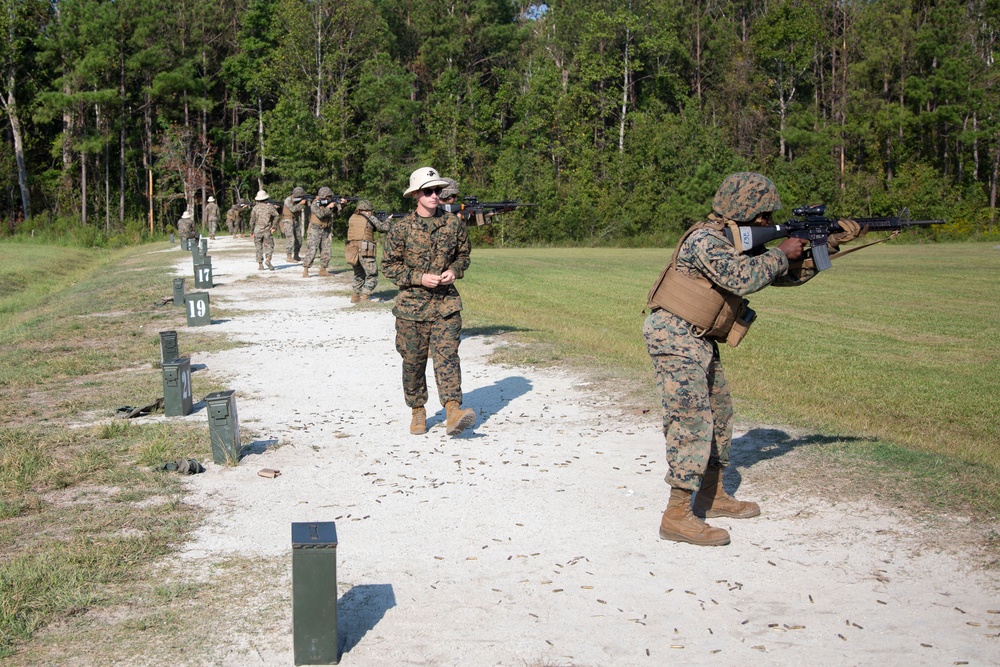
<point>416,245</point>
<point>263,217</point>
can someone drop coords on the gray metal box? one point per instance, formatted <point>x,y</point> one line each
<point>223,426</point>
<point>203,274</point>
<point>177,387</point>
<point>204,247</point>
<point>196,254</point>
<point>178,291</point>
<point>168,346</point>
<point>314,593</point>
<point>198,312</point>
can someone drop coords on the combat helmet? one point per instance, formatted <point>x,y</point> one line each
<point>364,205</point>
<point>298,191</point>
<point>325,192</point>
<point>451,189</point>
<point>743,196</point>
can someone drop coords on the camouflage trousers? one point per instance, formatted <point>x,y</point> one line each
<point>264,243</point>
<point>365,275</point>
<point>439,338</point>
<point>317,241</point>
<point>697,417</point>
<point>293,237</point>
<point>212,225</point>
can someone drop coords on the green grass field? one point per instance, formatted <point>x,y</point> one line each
<point>896,342</point>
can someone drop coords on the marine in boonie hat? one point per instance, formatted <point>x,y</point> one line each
<point>425,177</point>
<point>187,214</point>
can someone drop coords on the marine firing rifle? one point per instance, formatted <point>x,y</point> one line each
<point>474,212</point>
<point>810,224</point>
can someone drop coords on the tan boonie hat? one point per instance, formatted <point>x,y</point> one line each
<point>262,195</point>
<point>186,214</point>
<point>211,199</point>
<point>425,177</point>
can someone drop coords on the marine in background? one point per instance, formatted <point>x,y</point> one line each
<point>263,223</point>
<point>360,250</point>
<point>186,228</point>
<point>321,212</point>
<point>292,209</point>
<point>211,217</point>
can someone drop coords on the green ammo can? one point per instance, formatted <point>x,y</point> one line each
<point>195,254</point>
<point>203,273</point>
<point>204,247</point>
<point>178,291</point>
<point>314,593</point>
<point>224,426</point>
<point>198,313</point>
<point>177,387</point>
<point>168,346</point>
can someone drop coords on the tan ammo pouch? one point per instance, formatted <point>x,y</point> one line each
<point>351,252</point>
<point>744,318</point>
<point>711,311</point>
<point>315,221</point>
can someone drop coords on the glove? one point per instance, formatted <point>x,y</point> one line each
<point>852,230</point>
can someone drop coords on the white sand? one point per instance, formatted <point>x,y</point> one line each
<point>532,539</point>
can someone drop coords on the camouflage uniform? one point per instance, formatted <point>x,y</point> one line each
<point>361,247</point>
<point>233,219</point>
<point>697,406</point>
<point>262,221</point>
<point>289,223</point>
<point>318,236</point>
<point>186,229</point>
<point>212,217</point>
<point>428,321</point>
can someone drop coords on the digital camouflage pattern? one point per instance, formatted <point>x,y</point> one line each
<point>289,223</point>
<point>263,218</point>
<point>697,407</point>
<point>415,246</point>
<point>212,217</point>
<point>233,219</point>
<point>186,229</point>
<point>438,338</point>
<point>366,268</point>
<point>743,196</point>
<point>318,235</point>
<point>428,321</point>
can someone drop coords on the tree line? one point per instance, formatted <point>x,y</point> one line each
<point>618,119</point>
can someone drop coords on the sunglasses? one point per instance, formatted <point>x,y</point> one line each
<point>432,191</point>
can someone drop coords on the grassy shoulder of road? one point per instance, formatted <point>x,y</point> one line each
<point>896,349</point>
<point>82,505</point>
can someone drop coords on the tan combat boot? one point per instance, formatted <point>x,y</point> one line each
<point>418,423</point>
<point>712,499</point>
<point>458,419</point>
<point>269,265</point>
<point>364,297</point>
<point>355,298</point>
<point>305,271</point>
<point>323,271</point>
<point>260,266</point>
<point>680,525</point>
<point>288,257</point>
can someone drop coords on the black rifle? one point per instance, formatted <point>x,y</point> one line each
<point>810,224</point>
<point>385,215</point>
<point>474,212</point>
<point>333,199</point>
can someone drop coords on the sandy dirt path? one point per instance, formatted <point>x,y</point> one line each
<point>532,539</point>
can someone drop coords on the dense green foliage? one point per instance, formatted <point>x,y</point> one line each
<point>618,119</point>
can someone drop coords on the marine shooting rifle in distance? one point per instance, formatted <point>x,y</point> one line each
<point>326,201</point>
<point>809,223</point>
<point>474,212</point>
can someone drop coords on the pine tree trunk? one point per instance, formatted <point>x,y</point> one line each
<point>15,127</point>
